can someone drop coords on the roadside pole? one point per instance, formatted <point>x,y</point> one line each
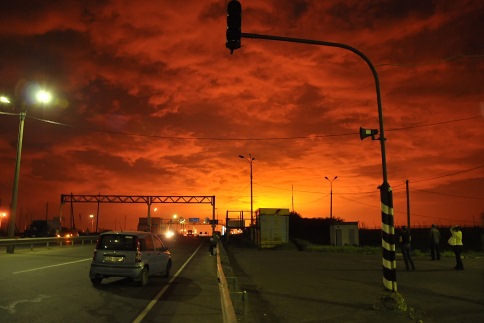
<point>233,42</point>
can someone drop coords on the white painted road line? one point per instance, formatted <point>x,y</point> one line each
<point>163,290</point>
<point>47,267</point>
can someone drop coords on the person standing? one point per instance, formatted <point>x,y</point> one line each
<point>434,238</point>
<point>213,244</point>
<point>457,245</point>
<point>405,238</point>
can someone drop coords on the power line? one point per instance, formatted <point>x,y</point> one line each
<point>452,195</point>
<point>447,175</point>
<point>240,138</point>
<point>437,61</point>
<point>396,186</point>
<point>434,124</point>
<point>404,212</point>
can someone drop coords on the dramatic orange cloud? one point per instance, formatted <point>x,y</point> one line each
<point>150,102</point>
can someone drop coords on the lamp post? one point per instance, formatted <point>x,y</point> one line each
<point>40,97</point>
<point>91,216</point>
<point>174,220</point>
<point>331,197</point>
<point>2,216</point>
<point>250,159</point>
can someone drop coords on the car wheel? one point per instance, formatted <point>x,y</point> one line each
<point>168,267</point>
<point>143,277</point>
<point>96,281</point>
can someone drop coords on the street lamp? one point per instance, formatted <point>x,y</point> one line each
<point>91,216</point>
<point>250,159</point>
<point>331,197</point>
<point>172,221</point>
<point>4,99</point>
<point>2,216</point>
<point>41,97</point>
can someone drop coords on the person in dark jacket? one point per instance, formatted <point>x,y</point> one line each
<point>213,244</point>
<point>405,238</point>
<point>434,239</point>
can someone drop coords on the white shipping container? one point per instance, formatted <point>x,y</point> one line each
<point>274,228</point>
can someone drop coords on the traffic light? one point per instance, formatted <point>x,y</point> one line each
<point>234,22</point>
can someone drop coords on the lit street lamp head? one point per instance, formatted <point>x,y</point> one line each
<point>40,96</point>
<point>249,159</point>
<point>43,96</point>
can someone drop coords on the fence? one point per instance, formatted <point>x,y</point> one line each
<point>26,243</point>
<point>239,299</point>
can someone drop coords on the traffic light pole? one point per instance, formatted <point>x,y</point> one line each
<point>386,196</point>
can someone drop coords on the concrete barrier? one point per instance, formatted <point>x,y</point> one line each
<point>228,312</point>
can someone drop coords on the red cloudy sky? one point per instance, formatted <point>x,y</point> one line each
<point>148,101</point>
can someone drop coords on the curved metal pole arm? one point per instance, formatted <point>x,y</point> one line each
<point>357,52</point>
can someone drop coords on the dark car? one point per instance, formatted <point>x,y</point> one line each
<point>134,254</point>
<point>68,233</point>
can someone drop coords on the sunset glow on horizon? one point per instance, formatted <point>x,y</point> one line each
<point>146,100</point>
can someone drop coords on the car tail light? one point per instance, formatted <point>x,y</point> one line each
<point>138,255</point>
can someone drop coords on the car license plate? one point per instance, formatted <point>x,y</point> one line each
<point>113,259</point>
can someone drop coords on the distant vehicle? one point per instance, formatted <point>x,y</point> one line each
<point>43,228</point>
<point>190,233</point>
<point>68,233</point>
<point>134,254</point>
<point>156,224</point>
<point>169,234</point>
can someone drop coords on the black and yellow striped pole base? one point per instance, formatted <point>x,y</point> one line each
<point>388,238</point>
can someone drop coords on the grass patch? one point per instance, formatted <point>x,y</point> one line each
<point>303,245</point>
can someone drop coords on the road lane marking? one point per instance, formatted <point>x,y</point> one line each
<point>163,290</point>
<point>51,266</point>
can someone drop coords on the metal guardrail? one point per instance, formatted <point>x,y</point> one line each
<point>234,301</point>
<point>47,242</point>
<point>228,312</point>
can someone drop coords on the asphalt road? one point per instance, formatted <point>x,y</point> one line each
<point>293,286</point>
<point>52,285</point>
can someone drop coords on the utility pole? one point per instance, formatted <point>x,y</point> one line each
<point>250,159</point>
<point>408,204</point>
<point>233,41</point>
<point>331,198</point>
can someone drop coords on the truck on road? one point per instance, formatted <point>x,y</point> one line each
<point>43,228</point>
<point>157,225</point>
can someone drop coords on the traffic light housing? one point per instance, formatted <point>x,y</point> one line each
<point>234,23</point>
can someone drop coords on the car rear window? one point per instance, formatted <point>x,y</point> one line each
<point>117,242</point>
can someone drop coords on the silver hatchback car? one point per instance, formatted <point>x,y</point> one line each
<point>132,254</point>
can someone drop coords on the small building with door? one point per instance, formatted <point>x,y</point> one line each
<point>344,234</point>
